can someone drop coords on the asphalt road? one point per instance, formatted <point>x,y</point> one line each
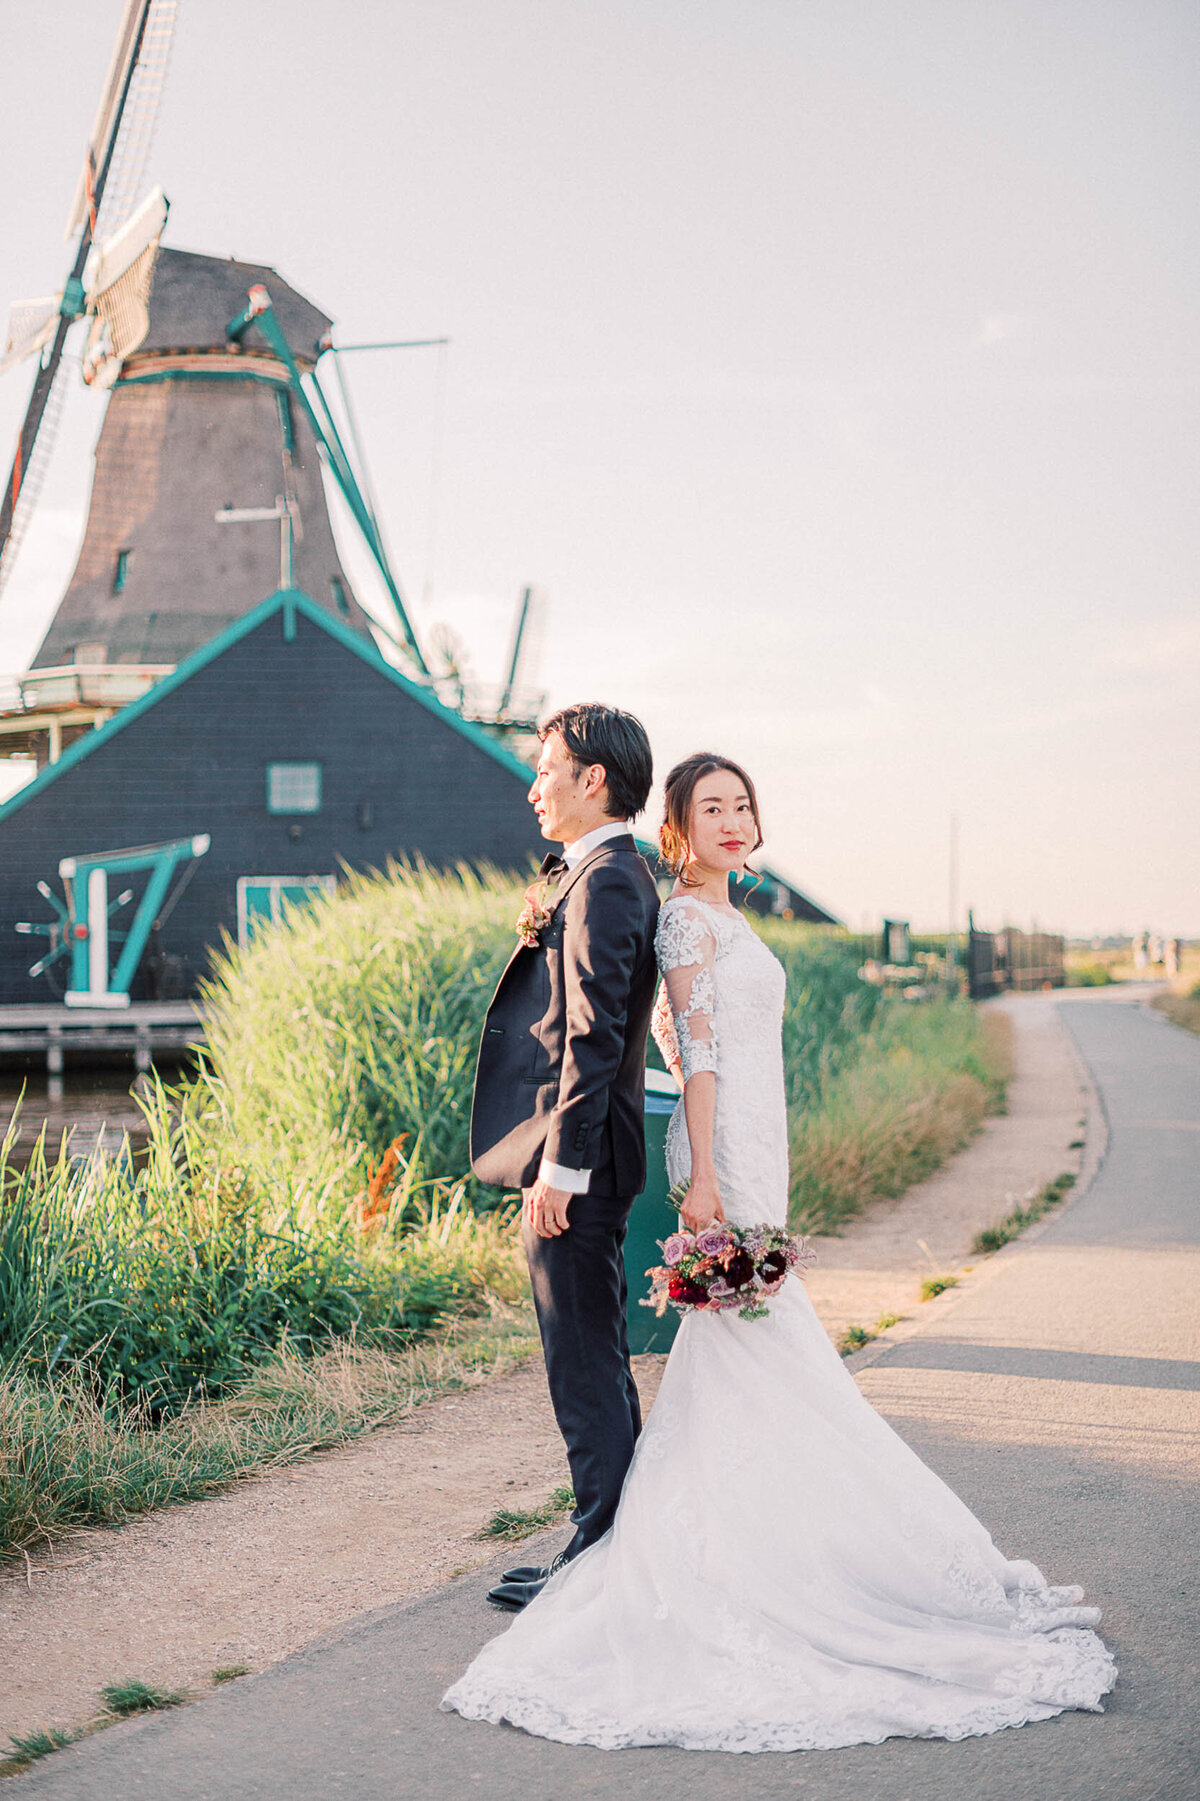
<point>1057,1393</point>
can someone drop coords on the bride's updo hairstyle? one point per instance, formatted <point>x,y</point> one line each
<point>680,790</point>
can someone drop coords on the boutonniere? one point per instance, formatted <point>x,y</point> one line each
<point>534,916</point>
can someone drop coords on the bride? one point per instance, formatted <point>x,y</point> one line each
<point>783,1573</point>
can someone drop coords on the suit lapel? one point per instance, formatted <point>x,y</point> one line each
<point>573,875</point>
<point>625,843</point>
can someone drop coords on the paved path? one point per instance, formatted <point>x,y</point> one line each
<point>1057,1393</point>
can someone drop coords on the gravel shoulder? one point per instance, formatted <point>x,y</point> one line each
<point>251,1576</point>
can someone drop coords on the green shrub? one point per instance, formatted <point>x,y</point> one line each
<point>1089,975</point>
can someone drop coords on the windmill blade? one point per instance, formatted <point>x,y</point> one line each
<point>30,327</point>
<point>123,132</point>
<point>118,277</point>
<point>35,447</point>
<point>119,144</point>
<point>526,650</point>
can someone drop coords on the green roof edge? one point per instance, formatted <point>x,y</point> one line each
<point>240,628</point>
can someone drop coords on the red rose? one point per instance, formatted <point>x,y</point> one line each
<point>691,1294</point>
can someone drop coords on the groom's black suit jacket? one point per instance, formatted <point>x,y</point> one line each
<point>563,1054</point>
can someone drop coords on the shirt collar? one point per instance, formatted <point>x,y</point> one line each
<point>574,853</point>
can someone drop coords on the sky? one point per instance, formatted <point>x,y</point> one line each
<point>831,368</point>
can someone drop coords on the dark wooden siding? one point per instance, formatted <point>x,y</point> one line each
<point>195,761</point>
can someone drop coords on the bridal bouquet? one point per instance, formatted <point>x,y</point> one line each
<point>725,1267</point>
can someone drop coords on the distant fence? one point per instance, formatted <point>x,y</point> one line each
<point>998,961</point>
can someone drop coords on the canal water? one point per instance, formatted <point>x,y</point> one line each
<point>97,1108</point>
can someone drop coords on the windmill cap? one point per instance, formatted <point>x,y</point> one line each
<point>194,297</point>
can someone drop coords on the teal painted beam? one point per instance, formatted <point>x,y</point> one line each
<point>147,912</point>
<point>259,312</point>
<point>280,383</point>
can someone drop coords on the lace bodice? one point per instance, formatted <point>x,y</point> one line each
<point>720,1008</point>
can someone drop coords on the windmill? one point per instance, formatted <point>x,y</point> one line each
<point>208,490</point>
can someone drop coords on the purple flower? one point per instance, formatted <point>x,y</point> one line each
<point>713,1240</point>
<point>676,1248</point>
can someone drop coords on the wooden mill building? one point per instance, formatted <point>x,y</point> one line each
<point>291,745</point>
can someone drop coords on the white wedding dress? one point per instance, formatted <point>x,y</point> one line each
<point>783,1573</point>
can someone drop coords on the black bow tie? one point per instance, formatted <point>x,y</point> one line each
<point>553,868</point>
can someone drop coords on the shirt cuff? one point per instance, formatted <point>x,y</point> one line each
<point>574,1181</point>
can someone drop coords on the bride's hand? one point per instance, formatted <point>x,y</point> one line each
<point>702,1203</point>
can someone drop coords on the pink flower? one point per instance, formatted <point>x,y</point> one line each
<point>713,1240</point>
<point>534,916</point>
<point>677,1247</point>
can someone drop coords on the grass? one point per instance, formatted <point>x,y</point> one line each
<point>1091,965</point>
<point>152,1291</point>
<point>1081,974</point>
<point>229,1672</point>
<point>933,1286</point>
<point>513,1524</point>
<point>993,1238</point>
<point>1181,1009</point>
<point>302,1254</point>
<point>924,1080</point>
<point>67,1461</point>
<point>126,1698</point>
<point>28,1747</point>
<point>360,1019</point>
<point>119,1701</point>
<point>855,1337</point>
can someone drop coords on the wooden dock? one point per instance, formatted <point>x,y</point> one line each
<point>146,1030</point>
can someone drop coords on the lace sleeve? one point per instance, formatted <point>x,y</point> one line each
<point>662,1030</point>
<point>687,949</point>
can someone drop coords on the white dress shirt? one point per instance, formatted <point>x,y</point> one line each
<point>576,1181</point>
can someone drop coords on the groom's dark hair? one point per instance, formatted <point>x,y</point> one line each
<point>594,733</point>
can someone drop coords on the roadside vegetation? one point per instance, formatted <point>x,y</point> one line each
<point>1093,964</point>
<point>880,1091</point>
<point>515,1523</point>
<point>1181,1009</point>
<point>118,1701</point>
<point>994,1238</point>
<point>300,1254</point>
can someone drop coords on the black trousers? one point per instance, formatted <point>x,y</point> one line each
<point>579,1291</point>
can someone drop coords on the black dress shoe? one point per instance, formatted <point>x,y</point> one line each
<point>514,1595</point>
<point>527,1572</point>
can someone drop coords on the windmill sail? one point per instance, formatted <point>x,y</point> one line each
<point>126,118</point>
<point>31,326</point>
<point>118,279</point>
<point>26,481</point>
<point>107,192</point>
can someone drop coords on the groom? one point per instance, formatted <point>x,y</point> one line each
<point>558,1107</point>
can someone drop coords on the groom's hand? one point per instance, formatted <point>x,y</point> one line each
<point>546,1209</point>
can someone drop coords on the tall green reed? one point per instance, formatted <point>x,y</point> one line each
<point>355,1025</point>
<point>145,1284</point>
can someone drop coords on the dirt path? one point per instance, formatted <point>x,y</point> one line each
<point>246,1577</point>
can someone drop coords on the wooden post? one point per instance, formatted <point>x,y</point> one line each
<point>54,1062</point>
